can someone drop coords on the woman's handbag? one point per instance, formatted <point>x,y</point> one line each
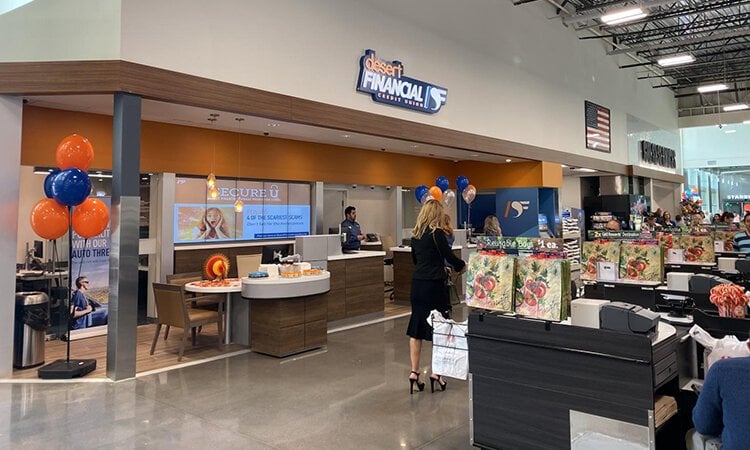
<point>452,278</point>
<point>450,349</point>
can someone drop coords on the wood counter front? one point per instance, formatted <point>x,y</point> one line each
<point>356,287</point>
<point>403,268</point>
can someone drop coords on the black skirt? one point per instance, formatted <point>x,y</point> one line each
<point>426,295</point>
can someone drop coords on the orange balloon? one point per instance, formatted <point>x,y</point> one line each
<point>49,219</point>
<point>74,151</point>
<point>436,193</point>
<point>90,218</point>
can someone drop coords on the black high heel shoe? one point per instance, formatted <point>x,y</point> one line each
<point>413,381</point>
<point>440,381</point>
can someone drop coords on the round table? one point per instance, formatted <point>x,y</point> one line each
<point>235,286</point>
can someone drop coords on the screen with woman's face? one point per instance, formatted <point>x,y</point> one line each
<point>271,210</point>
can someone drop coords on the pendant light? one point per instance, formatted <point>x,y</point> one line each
<point>211,179</point>
<point>238,205</point>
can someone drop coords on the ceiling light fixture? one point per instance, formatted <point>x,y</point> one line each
<point>730,131</point>
<point>346,136</point>
<point>238,205</point>
<point>712,88</point>
<point>675,60</point>
<point>746,122</point>
<point>213,192</point>
<point>583,169</point>
<point>736,107</point>
<point>508,160</point>
<point>563,165</point>
<point>623,16</point>
<point>273,124</point>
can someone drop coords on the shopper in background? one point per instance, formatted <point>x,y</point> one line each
<point>678,221</point>
<point>722,408</point>
<point>727,218</point>
<point>613,225</point>
<point>448,229</point>
<point>650,223</point>
<point>742,239</point>
<point>492,226</point>
<point>716,219</point>
<point>351,227</point>
<point>666,220</point>
<point>429,250</point>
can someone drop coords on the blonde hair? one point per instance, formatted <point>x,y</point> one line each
<point>430,218</point>
<point>446,225</point>
<point>492,225</point>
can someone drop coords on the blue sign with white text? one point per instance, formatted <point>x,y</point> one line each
<point>518,211</point>
<point>386,82</point>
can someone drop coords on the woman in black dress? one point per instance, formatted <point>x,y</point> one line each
<point>429,251</point>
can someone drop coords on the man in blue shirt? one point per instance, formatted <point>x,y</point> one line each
<point>742,239</point>
<point>79,305</point>
<point>352,230</point>
<point>723,408</point>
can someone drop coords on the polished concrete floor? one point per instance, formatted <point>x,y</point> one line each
<point>354,394</point>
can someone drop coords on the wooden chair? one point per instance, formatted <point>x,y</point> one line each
<point>247,264</point>
<point>172,310</point>
<point>208,301</point>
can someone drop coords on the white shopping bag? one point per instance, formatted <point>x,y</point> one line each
<point>715,349</point>
<point>450,349</point>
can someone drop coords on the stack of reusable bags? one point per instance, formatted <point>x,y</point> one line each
<point>489,281</point>
<point>598,251</point>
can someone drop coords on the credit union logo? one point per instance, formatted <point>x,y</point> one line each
<point>386,83</point>
<point>518,207</point>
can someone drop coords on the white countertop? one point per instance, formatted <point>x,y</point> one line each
<point>633,282</point>
<point>279,287</point>
<point>359,254</point>
<point>408,249</point>
<point>373,243</point>
<point>235,286</point>
<point>688,263</point>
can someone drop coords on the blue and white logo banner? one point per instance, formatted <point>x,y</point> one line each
<point>386,82</point>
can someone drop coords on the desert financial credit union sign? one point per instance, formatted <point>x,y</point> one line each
<point>386,82</point>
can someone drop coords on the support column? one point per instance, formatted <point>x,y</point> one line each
<point>11,111</point>
<point>123,256</point>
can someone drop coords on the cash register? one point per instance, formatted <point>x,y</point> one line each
<point>624,317</point>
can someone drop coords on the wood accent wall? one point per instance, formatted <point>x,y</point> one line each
<point>104,77</point>
<point>357,287</point>
<point>189,150</point>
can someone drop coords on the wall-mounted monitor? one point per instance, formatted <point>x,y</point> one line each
<point>271,210</point>
<point>272,253</point>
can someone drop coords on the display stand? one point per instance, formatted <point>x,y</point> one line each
<point>529,378</point>
<point>67,368</point>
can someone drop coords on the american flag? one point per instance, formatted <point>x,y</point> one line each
<point>597,128</point>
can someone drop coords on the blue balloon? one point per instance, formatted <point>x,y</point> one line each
<point>420,191</point>
<point>48,180</point>
<point>461,183</point>
<point>71,187</point>
<point>442,183</point>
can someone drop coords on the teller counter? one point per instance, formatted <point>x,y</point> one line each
<point>403,268</point>
<point>357,285</point>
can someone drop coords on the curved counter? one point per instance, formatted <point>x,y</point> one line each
<point>287,315</point>
<point>284,288</point>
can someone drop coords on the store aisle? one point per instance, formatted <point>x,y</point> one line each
<point>353,395</point>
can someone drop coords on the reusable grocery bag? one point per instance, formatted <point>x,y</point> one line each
<point>698,248</point>
<point>641,262</point>
<point>543,287</point>
<point>598,251</point>
<point>450,349</point>
<point>489,283</point>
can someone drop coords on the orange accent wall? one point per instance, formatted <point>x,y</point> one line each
<point>189,150</point>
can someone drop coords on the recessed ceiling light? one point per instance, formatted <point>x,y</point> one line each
<point>98,172</point>
<point>736,107</point>
<point>675,60</point>
<point>144,178</point>
<point>346,136</point>
<point>508,160</point>
<point>623,15</point>
<point>730,131</point>
<point>474,155</point>
<point>583,169</point>
<point>414,146</point>
<point>563,165</point>
<point>746,122</point>
<point>712,88</point>
<point>273,124</point>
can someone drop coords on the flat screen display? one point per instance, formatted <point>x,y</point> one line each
<point>272,210</point>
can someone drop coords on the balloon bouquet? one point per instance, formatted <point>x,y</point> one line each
<point>67,192</point>
<point>441,192</point>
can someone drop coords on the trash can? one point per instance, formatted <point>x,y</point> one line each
<point>32,321</point>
